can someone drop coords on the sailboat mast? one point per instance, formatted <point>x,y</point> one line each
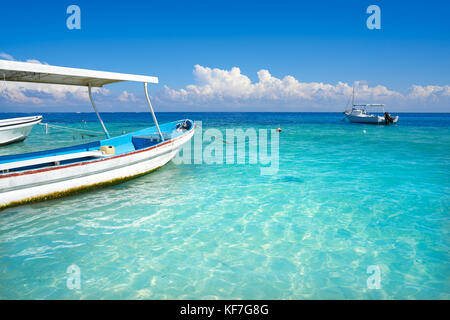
<point>353,95</point>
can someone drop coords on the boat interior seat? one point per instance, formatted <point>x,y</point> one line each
<point>141,142</point>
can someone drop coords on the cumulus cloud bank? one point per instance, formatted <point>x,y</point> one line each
<point>433,92</point>
<point>231,87</point>
<point>221,90</point>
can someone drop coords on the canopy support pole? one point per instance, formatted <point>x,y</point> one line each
<point>98,115</point>
<point>151,109</point>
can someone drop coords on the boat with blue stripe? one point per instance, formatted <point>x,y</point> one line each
<point>54,173</point>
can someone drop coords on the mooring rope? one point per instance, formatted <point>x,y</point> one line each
<point>82,132</point>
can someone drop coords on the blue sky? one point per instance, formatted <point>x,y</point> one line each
<point>197,43</point>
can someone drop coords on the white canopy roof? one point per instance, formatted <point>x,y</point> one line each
<point>42,73</point>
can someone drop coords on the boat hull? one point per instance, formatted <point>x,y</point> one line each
<point>373,119</point>
<point>46,183</point>
<point>16,130</point>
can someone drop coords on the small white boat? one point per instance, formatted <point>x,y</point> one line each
<point>360,114</point>
<point>54,173</point>
<point>17,129</point>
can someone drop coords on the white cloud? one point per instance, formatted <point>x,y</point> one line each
<point>217,86</point>
<point>434,92</point>
<point>6,56</point>
<point>36,93</point>
<point>35,61</point>
<point>127,97</point>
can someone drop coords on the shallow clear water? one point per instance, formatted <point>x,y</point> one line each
<point>342,200</point>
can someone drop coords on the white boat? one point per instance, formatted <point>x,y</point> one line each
<point>17,129</point>
<point>360,114</point>
<point>54,173</point>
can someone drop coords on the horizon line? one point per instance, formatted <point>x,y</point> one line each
<point>80,112</point>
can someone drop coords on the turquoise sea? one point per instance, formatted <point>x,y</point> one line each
<point>345,197</point>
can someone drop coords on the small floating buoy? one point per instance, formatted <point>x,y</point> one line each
<point>364,131</point>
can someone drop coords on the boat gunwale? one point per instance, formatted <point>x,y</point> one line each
<point>35,171</point>
<point>21,118</point>
<point>28,123</point>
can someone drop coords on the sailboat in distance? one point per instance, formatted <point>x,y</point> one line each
<point>367,113</point>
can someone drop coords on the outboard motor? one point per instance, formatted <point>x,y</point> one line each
<point>186,125</point>
<point>388,118</point>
